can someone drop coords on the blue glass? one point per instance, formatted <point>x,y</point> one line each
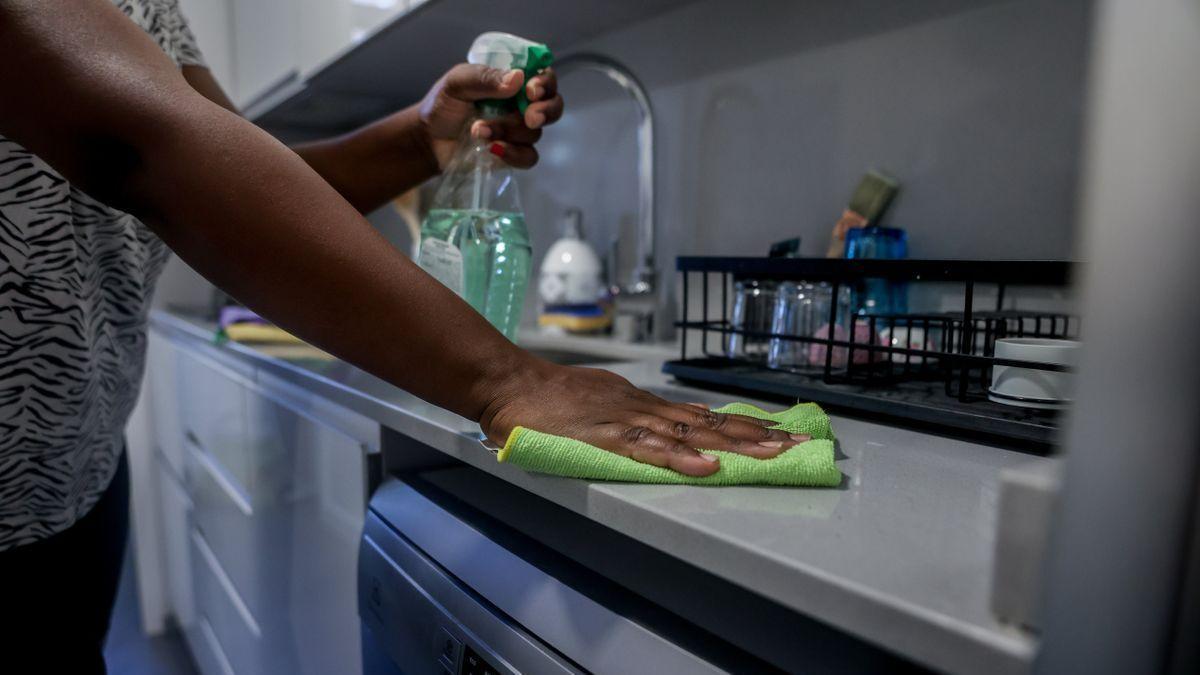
<point>879,296</point>
<point>877,243</point>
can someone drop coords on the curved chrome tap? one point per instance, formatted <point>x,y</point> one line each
<point>637,297</point>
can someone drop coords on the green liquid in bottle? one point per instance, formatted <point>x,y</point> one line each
<point>484,256</point>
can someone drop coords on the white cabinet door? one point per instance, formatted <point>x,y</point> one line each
<point>163,391</point>
<point>176,518</point>
<point>212,415</point>
<point>277,489</point>
<point>266,45</point>
<point>225,625</point>
<point>312,510</point>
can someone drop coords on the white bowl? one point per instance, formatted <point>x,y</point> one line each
<point>1028,387</point>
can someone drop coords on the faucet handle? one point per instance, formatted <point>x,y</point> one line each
<point>642,280</point>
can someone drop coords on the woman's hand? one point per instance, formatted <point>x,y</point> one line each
<point>605,410</point>
<point>450,104</point>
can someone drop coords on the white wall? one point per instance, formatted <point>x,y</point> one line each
<point>212,23</point>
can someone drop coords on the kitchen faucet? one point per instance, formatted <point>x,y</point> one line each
<point>636,299</point>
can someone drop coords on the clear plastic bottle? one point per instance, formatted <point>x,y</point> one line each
<point>474,239</point>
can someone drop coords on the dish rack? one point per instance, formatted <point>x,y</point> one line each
<point>941,383</point>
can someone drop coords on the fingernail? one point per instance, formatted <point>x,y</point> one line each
<point>537,120</point>
<point>510,77</point>
<point>708,458</point>
<point>799,438</point>
<point>771,444</point>
<point>700,405</point>
<point>497,149</point>
<point>536,92</point>
<point>483,131</point>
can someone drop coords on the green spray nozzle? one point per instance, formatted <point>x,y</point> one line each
<point>508,52</point>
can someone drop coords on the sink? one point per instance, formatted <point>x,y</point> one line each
<point>570,357</point>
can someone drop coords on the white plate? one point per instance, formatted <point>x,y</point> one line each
<point>1035,403</point>
<point>1030,387</point>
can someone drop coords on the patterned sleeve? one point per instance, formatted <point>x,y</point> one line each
<point>177,38</point>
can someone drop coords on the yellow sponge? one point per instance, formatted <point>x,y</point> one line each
<point>260,333</point>
<point>575,323</point>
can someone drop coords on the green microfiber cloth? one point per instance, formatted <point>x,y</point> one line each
<point>808,464</point>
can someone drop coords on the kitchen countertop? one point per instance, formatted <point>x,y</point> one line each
<point>900,555</point>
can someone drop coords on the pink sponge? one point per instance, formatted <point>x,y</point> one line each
<point>862,335</point>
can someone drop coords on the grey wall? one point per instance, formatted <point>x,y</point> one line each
<point>769,112</point>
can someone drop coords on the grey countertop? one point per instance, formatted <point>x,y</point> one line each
<point>900,555</point>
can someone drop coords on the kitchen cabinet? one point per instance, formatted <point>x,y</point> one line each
<point>212,400</point>
<point>161,377</point>
<point>311,514</point>
<point>235,634</point>
<point>283,551</point>
<point>359,59</point>
<point>261,515</point>
<point>224,516</point>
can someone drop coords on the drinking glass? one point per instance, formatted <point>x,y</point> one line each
<point>753,302</point>
<point>879,296</point>
<point>802,309</point>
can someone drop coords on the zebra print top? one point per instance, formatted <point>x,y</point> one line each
<point>76,278</point>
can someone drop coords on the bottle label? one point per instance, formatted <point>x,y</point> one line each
<point>444,262</point>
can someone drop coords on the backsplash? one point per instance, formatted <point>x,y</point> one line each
<point>769,112</point>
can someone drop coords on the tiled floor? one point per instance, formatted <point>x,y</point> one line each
<point>129,651</point>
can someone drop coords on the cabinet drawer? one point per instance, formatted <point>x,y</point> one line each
<point>213,414</point>
<point>237,636</point>
<point>233,531</point>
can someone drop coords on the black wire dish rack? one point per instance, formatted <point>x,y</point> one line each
<point>940,383</point>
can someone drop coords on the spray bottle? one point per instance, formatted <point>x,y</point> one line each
<point>474,239</point>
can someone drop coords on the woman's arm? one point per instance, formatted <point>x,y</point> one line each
<point>92,95</point>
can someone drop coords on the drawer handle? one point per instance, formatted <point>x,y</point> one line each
<point>214,646</point>
<point>226,584</point>
<point>235,494</point>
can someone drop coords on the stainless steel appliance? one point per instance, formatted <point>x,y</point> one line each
<point>443,591</point>
<point>462,572</point>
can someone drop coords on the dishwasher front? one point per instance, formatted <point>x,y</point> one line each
<point>445,589</point>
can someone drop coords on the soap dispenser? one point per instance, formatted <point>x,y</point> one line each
<point>570,281</point>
